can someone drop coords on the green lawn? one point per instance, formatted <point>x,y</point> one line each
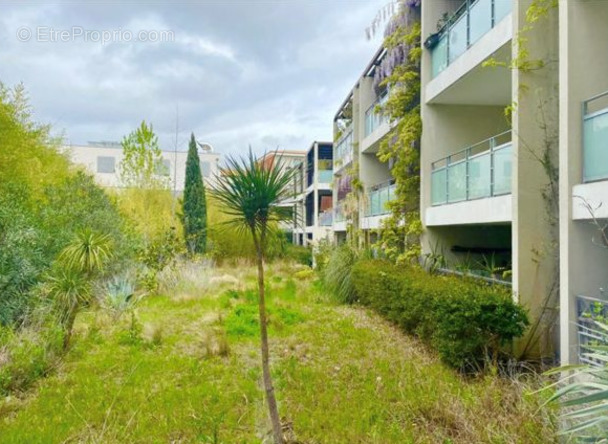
<point>186,369</point>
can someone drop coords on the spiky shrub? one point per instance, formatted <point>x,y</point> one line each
<point>583,394</point>
<point>250,193</point>
<point>69,283</point>
<point>119,296</point>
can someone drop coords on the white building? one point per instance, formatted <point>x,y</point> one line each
<point>102,160</point>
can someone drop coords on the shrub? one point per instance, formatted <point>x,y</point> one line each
<point>466,321</point>
<point>337,272</point>
<point>298,254</point>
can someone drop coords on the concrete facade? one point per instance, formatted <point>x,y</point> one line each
<point>102,160</point>
<point>313,196</point>
<point>359,129</point>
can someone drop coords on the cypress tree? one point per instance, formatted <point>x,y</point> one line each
<point>194,205</point>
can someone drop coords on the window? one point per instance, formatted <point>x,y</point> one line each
<point>106,164</point>
<point>206,169</point>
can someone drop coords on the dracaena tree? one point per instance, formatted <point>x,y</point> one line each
<point>250,192</point>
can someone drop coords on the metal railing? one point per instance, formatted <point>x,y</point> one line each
<point>344,149</point>
<point>373,118</point>
<point>378,197</point>
<point>468,24</point>
<point>482,170</point>
<point>595,138</point>
<point>590,311</point>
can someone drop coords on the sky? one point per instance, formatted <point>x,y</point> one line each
<point>262,73</point>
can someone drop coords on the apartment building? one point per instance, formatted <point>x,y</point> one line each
<point>515,198</point>
<point>583,172</point>
<point>359,129</point>
<point>289,160</point>
<point>102,160</point>
<point>313,206</point>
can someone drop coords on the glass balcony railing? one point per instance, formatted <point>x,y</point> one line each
<point>374,119</point>
<point>595,138</point>
<point>482,170</point>
<point>344,149</point>
<point>326,218</point>
<point>326,176</point>
<point>378,197</point>
<point>470,22</point>
<point>339,215</point>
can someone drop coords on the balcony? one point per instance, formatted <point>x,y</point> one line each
<point>326,218</point>
<point>339,215</point>
<point>595,138</point>
<point>378,197</point>
<point>471,21</point>
<point>480,171</point>
<point>344,149</point>
<point>373,118</point>
<point>590,311</point>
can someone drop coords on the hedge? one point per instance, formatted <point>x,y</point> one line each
<point>465,320</point>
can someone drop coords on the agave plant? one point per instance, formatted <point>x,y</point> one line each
<point>119,296</point>
<point>583,393</point>
<point>250,193</point>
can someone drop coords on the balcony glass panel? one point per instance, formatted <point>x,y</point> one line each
<point>595,145</point>
<point>590,311</point>
<point>326,176</point>
<point>503,159</point>
<point>379,197</point>
<point>466,27</point>
<point>439,55</point>
<point>480,171</point>
<point>325,218</point>
<point>502,8</point>
<point>466,176</point>
<point>438,186</point>
<point>457,182</point>
<point>458,39</point>
<point>344,149</point>
<point>480,19</point>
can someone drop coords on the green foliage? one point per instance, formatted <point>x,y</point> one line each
<point>142,165</point>
<point>307,273</point>
<point>194,204</point>
<point>337,273</point>
<point>243,320</point>
<point>466,321</point>
<point>250,194</point>
<point>118,296</point>
<point>88,252</point>
<point>156,255</point>
<point>583,389</point>
<point>298,254</point>
<point>400,233</point>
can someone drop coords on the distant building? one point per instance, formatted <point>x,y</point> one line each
<point>102,160</point>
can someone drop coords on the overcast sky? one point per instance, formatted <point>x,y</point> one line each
<point>268,73</point>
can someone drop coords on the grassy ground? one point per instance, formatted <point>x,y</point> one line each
<point>185,368</point>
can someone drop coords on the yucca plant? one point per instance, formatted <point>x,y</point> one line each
<point>250,193</point>
<point>583,393</point>
<point>69,289</point>
<point>119,296</point>
<point>88,252</point>
<point>70,283</point>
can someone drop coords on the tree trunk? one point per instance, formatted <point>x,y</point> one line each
<point>69,325</point>
<point>270,398</point>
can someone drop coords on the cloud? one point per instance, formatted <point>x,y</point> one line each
<point>265,73</point>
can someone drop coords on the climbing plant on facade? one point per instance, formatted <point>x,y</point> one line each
<point>400,73</point>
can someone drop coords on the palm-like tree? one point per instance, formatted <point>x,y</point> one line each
<point>250,192</point>
<point>69,284</point>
